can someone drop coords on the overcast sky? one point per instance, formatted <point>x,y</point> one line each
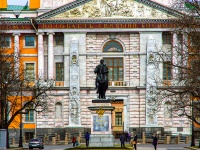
<point>17,2</point>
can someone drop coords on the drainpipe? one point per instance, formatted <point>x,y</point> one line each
<point>34,26</point>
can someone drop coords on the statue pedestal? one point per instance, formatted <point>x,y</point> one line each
<point>101,119</point>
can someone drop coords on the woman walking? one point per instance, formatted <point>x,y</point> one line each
<point>155,141</point>
<point>135,142</point>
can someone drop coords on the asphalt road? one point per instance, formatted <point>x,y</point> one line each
<point>139,146</point>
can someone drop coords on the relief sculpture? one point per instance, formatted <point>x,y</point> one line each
<point>108,8</point>
<point>91,10</point>
<point>74,111</point>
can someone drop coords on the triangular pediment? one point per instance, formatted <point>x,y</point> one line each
<point>137,9</point>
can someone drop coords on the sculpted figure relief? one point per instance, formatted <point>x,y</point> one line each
<point>101,79</point>
<point>74,111</point>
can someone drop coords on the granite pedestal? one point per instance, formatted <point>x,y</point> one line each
<point>101,117</point>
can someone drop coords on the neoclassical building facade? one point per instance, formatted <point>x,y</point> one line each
<point>64,40</point>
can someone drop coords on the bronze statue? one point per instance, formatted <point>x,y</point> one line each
<point>101,82</point>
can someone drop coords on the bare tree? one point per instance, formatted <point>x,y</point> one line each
<point>179,65</point>
<point>20,90</point>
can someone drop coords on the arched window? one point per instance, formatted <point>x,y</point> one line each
<point>112,46</point>
<point>58,110</point>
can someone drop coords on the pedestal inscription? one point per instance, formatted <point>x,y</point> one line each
<point>101,124</point>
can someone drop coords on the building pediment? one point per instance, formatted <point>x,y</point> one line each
<point>110,9</point>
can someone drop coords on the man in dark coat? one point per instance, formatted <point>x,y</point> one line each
<point>155,141</point>
<point>122,140</point>
<point>87,138</point>
<point>135,142</point>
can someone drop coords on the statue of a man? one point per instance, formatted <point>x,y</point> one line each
<point>101,82</point>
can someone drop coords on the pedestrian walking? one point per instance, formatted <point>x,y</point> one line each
<point>126,136</point>
<point>135,142</point>
<point>122,139</point>
<point>155,141</point>
<point>129,137</point>
<point>73,141</point>
<point>87,138</point>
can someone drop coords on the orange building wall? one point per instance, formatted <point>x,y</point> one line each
<point>3,4</point>
<point>34,4</point>
<point>24,51</point>
<point>16,122</point>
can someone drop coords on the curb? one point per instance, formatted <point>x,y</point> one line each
<point>192,148</point>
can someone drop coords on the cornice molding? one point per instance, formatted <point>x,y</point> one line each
<point>68,21</point>
<point>14,22</point>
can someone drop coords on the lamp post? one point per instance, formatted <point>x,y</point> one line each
<point>192,136</point>
<point>20,133</point>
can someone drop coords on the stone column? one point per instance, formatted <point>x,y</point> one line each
<point>50,56</point>
<point>16,51</point>
<point>40,56</point>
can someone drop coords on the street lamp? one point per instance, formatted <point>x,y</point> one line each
<point>20,133</point>
<point>192,136</point>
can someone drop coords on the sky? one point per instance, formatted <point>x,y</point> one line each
<point>17,2</point>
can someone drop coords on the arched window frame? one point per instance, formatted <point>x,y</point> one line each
<point>118,46</point>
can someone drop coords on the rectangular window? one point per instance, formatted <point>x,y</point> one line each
<point>29,41</point>
<point>179,129</point>
<point>167,38</point>
<point>30,71</point>
<point>59,39</point>
<point>115,68</point>
<point>5,41</point>
<point>180,41</point>
<point>60,71</point>
<point>118,118</point>
<point>167,67</point>
<point>29,117</point>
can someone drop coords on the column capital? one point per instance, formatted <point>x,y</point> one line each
<point>16,34</point>
<point>40,33</point>
<point>48,33</point>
